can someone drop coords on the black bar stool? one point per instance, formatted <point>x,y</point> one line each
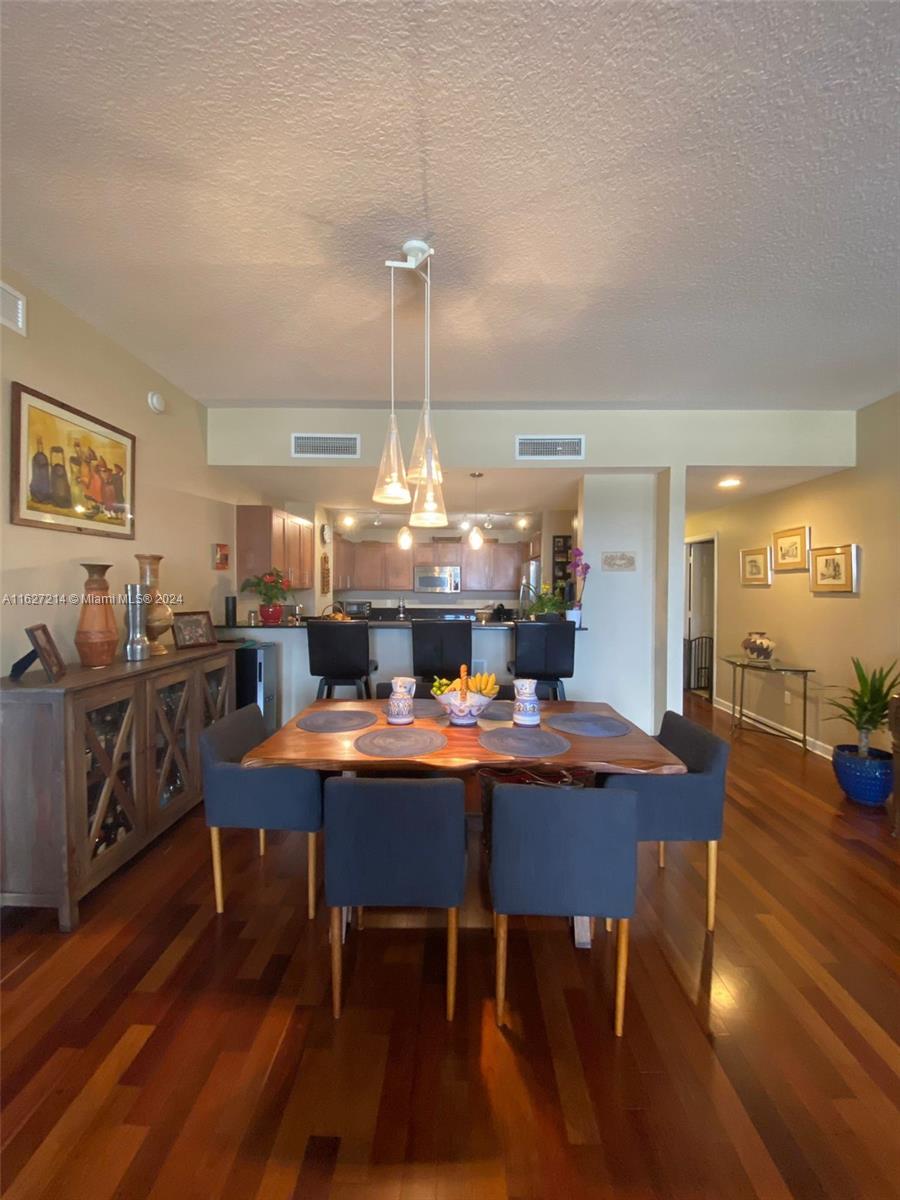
<point>339,653</point>
<point>545,650</point>
<point>440,647</point>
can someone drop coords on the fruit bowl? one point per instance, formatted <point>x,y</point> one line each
<point>463,708</point>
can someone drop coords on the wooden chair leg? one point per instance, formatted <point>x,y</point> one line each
<point>608,924</point>
<point>452,946</point>
<point>312,842</point>
<point>494,919</point>
<point>216,844</point>
<point>359,916</point>
<point>712,866</point>
<point>593,927</point>
<point>262,842</point>
<point>501,966</point>
<point>336,962</point>
<point>661,854</point>
<point>621,973</point>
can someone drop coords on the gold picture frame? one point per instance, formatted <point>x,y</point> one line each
<point>790,549</point>
<point>834,570</point>
<point>756,567</point>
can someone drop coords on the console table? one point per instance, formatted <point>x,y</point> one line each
<point>740,665</point>
<point>97,765</point>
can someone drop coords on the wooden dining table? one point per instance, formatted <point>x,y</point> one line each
<point>630,753</point>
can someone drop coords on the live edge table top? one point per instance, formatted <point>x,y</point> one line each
<point>633,753</point>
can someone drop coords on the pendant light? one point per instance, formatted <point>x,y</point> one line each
<point>405,538</point>
<point>476,537</point>
<point>391,486</point>
<point>425,438</point>
<point>428,511</point>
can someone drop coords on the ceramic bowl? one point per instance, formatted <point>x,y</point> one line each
<point>463,709</point>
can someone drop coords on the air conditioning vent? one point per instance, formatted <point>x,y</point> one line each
<point>567,447</point>
<point>325,445</point>
<point>13,309</point>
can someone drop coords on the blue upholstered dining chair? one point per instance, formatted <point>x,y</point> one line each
<point>563,852</point>
<point>395,843</point>
<point>262,798</point>
<point>684,808</point>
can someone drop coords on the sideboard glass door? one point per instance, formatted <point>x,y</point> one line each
<point>172,783</point>
<point>216,683</point>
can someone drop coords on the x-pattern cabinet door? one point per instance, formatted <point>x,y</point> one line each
<point>217,689</point>
<point>173,776</point>
<point>106,783</point>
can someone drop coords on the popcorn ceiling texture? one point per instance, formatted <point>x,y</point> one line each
<point>640,204</point>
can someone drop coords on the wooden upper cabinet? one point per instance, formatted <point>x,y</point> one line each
<point>398,568</point>
<point>506,572</point>
<point>423,554</point>
<point>446,554</point>
<point>343,564</point>
<point>267,537</point>
<point>292,552</point>
<point>368,566</point>
<point>307,555</point>
<point>476,568</point>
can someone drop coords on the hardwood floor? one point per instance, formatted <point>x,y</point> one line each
<point>162,1053</point>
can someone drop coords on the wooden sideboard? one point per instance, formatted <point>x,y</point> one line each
<point>97,765</point>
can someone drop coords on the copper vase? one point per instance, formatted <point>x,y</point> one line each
<point>97,635</point>
<point>159,615</point>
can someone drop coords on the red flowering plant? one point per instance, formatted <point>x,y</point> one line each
<point>579,570</point>
<point>271,587</point>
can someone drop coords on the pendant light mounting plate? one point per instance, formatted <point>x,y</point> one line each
<point>416,252</point>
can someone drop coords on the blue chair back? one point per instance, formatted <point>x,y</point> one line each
<point>701,751</point>
<point>563,852</point>
<point>237,797</point>
<point>395,842</point>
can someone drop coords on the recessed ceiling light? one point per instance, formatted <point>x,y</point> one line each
<point>377,521</point>
<point>730,481</point>
<point>348,521</point>
<point>465,525</point>
<point>522,522</point>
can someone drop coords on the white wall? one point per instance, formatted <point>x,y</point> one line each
<point>182,506</point>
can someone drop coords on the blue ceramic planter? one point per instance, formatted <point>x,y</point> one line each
<point>866,781</point>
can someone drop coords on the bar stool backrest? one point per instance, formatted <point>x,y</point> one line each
<point>545,649</point>
<point>338,649</point>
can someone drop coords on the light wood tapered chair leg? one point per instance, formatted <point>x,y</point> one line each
<point>262,842</point>
<point>592,925</point>
<point>359,917</point>
<point>312,841</point>
<point>621,973</point>
<point>608,924</point>
<point>712,867</point>
<point>336,962</point>
<point>501,966</point>
<point>661,855</point>
<point>452,946</point>
<point>494,922</point>
<point>216,843</point>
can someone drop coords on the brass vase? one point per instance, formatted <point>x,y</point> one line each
<point>97,635</point>
<point>159,615</point>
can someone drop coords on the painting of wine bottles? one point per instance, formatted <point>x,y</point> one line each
<point>70,471</point>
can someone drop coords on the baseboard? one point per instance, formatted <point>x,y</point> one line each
<point>817,747</point>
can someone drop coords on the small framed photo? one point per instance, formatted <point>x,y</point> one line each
<point>221,556</point>
<point>790,549</point>
<point>50,658</point>
<point>834,569</point>
<point>618,560</point>
<point>756,567</point>
<point>192,629</point>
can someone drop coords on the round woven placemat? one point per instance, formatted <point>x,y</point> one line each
<point>336,721</point>
<point>524,743</point>
<point>400,743</point>
<point>586,724</point>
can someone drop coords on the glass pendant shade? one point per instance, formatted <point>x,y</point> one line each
<point>391,486</point>
<point>476,538</point>
<point>428,510</point>
<point>424,439</point>
<point>405,538</point>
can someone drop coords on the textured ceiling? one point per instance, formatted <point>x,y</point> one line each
<point>646,204</point>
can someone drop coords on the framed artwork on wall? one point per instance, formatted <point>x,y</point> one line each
<point>47,652</point>
<point>756,567</point>
<point>834,569</point>
<point>790,549</point>
<point>190,629</point>
<point>69,471</point>
<point>221,556</point>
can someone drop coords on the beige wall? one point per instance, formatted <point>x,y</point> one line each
<point>860,505</point>
<point>182,506</point>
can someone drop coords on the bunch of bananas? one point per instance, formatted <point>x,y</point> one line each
<point>482,683</point>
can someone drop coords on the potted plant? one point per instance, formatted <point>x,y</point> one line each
<point>272,590</point>
<point>865,774</point>
<point>579,570</point>
<point>547,605</point>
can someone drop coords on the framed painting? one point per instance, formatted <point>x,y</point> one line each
<point>756,567</point>
<point>190,629</point>
<point>834,569</point>
<point>69,471</point>
<point>47,652</point>
<point>790,549</point>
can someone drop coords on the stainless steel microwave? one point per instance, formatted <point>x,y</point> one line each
<point>427,578</point>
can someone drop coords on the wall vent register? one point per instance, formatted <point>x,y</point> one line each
<point>325,445</point>
<point>532,446</point>
<point>12,309</point>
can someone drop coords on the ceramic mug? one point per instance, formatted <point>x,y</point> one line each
<point>526,709</point>
<point>403,685</point>
<point>400,709</point>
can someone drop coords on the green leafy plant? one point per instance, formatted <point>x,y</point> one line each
<point>271,587</point>
<point>547,601</point>
<point>866,706</point>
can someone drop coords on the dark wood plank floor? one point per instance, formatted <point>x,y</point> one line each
<point>160,1053</point>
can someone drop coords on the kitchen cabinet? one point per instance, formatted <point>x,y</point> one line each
<point>267,537</point>
<point>506,567</point>
<point>476,571</point>
<point>446,554</point>
<point>368,567</point>
<point>343,565</point>
<point>398,568</point>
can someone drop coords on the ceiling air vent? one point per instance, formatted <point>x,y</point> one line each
<point>531,446</point>
<point>12,309</point>
<point>325,445</point>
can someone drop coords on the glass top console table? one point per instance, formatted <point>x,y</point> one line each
<point>740,665</point>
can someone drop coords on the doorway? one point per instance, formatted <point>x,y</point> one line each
<point>700,616</point>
